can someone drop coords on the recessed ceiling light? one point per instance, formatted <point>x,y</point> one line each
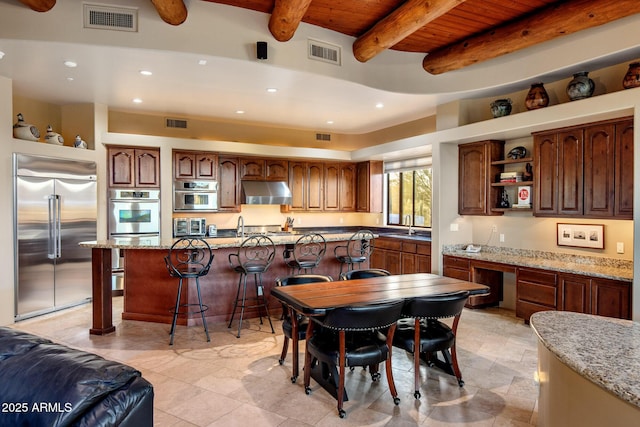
<point>70,64</point>
<point>69,79</point>
<point>272,90</point>
<point>202,62</point>
<point>329,122</point>
<point>137,100</point>
<point>379,105</point>
<point>1,54</point>
<point>146,72</point>
<point>239,111</point>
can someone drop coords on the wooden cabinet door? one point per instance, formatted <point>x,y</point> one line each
<point>121,167</point>
<point>408,263</point>
<point>228,187</point>
<point>277,170</point>
<point>315,182</point>
<point>570,172</point>
<point>147,167</point>
<point>475,174</point>
<point>623,204</point>
<point>347,196</point>
<point>423,264</point>
<point>369,183</point>
<point>252,169</point>
<point>184,165</point>
<point>574,293</point>
<point>545,175</point>
<point>298,184</point>
<point>206,165</point>
<point>611,298</point>
<point>599,170</point>
<point>332,187</point>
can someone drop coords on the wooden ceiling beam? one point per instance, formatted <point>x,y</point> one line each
<point>285,18</point>
<point>555,21</point>
<point>172,12</point>
<point>399,24</point>
<point>39,5</point>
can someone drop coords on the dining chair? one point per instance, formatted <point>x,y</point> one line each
<point>254,257</point>
<point>356,251</point>
<point>306,253</point>
<point>288,316</point>
<point>424,335</point>
<point>351,336</point>
<point>188,258</point>
<point>364,273</point>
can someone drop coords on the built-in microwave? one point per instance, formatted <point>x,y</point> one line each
<point>189,196</point>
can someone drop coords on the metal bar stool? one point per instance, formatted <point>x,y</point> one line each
<point>189,258</point>
<point>306,253</point>
<point>357,250</point>
<point>254,256</point>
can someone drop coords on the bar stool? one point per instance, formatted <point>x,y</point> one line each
<point>254,256</point>
<point>356,251</point>
<point>189,258</point>
<point>306,253</point>
<point>364,273</point>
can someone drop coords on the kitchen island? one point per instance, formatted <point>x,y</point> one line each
<point>149,291</point>
<point>588,369</point>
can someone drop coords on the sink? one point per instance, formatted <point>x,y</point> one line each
<point>405,236</point>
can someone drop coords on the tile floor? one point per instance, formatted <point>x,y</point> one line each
<point>239,382</point>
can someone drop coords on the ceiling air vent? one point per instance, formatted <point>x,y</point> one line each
<point>325,52</point>
<point>176,123</point>
<point>117,18</point>
<point>323,137</point>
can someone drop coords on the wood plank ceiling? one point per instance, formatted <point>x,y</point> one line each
<point>452,33</point>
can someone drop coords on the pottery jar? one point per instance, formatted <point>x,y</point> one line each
<point>537,97</point>
<point>632,78</point>
<point>52,137</point>
<point>22,130</point>
<point>501,107</point>
<point>581,86</point>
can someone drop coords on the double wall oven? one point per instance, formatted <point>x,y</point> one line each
<point>134,214</point>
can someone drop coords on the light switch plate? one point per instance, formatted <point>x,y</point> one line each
<point>620,247</point>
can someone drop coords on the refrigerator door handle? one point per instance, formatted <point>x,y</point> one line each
<point>58,241</point>
<point>51,241</point>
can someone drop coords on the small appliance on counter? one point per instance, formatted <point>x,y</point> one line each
<point>213,230</point>
<point>189,227</point>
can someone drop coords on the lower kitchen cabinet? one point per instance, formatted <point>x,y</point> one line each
<point>491,276</point>
<point>401,256</point>
<point>536,290</point>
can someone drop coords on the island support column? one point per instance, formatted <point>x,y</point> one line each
<point>101,292</point>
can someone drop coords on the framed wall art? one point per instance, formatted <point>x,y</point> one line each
<point>581,235</point>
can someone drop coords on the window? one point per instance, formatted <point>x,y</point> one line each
<point>409,193</point>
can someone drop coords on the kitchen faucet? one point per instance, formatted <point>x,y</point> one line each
<point>240,227</point>
<point>407,221</point>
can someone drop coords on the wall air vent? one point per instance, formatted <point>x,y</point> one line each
<point>176,123</point>
<point>118,18</point>
<point>325,52</point>
<point>323,137</point>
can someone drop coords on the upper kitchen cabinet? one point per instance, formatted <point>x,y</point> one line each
<point>339,187</point>
<point>134,167</point>
<point>369,183</point>
<point>194,165</point>
<point>306,185</point>
<point>229,185</point>
<point>476,172</point>
<point>260,169</point>
<point>585,171</point>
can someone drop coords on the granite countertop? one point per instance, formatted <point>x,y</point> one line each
<point>607,268</point>
<point>604,350</point>
<point>214,242</point>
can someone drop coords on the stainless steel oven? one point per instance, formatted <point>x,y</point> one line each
<point>133,212</point>
<point>190,196</point>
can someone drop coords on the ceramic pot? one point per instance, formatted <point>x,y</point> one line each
<point>501,107</point>
<point>79,143</point>
<point>537,97</point>
<point>52,137</point>
<point>22,130</point>
<point>581,86</point>
<point>632,78</point>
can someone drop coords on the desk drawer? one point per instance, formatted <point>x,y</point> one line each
<point>453,262</point>
<point>392,244</point>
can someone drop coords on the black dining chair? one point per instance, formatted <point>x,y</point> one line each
<point>356,251</point>
<point>422,334</point>
<point>254,257</point>
<point>351,336</point>
<point>288,313</point>
<point>364,273</point>
<point>188,258</point>
<point>306,253</point>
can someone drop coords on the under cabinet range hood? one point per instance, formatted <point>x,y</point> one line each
<point>265,193</point>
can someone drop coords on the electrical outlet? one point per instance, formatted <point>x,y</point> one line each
<point>620,247</point>
<point>502,237</point>
<point>494,228</point>
<point>453,226</point>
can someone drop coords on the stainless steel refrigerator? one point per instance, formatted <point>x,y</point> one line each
<point>54,209</point>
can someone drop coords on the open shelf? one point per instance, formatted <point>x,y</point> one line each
<point>510,161</point>
<point>510,184</point>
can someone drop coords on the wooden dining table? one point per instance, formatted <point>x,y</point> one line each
<point>317,299</point>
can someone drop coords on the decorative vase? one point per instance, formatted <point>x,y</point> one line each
<point>22,130</point>
<point>501,107</point>
<point>537,97</point>
<point>79,143</point>
<point>632,78</point>
<point>581,86</point>
<point>52,137</point>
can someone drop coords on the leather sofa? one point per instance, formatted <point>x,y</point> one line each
<point>47,384</point>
